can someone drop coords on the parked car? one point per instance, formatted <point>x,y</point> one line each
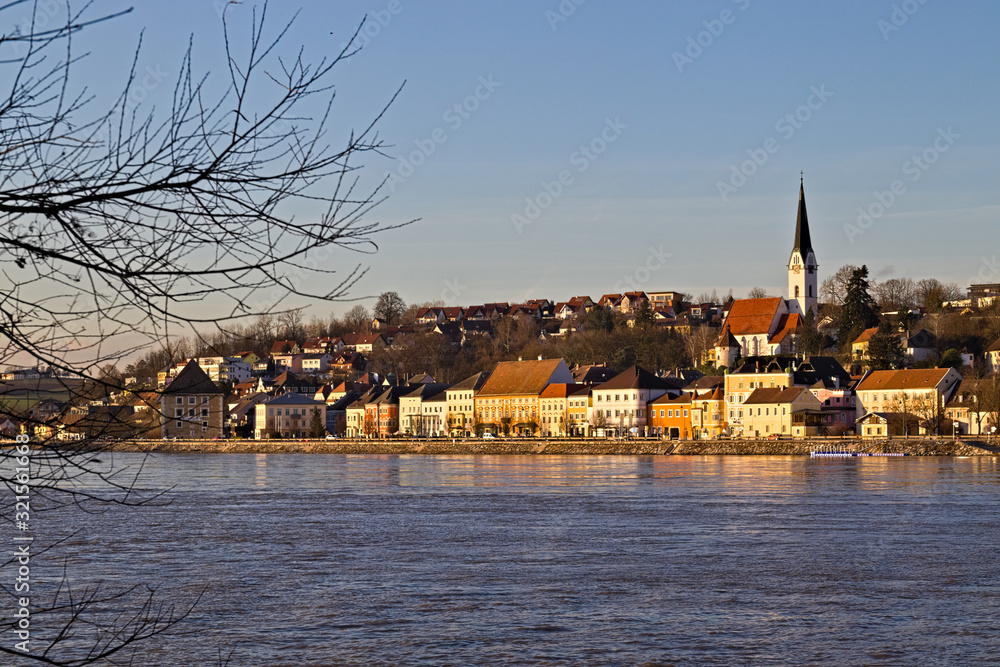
<point>488,436</point>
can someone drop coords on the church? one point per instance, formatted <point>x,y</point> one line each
<point>765,327</point>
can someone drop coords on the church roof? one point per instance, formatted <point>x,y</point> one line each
<point>803,243</point>
<point>752,316</point>
<point>786,325</point>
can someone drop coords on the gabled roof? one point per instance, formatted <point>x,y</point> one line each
<point>753,316</point>
<point>638,378</point>
<point>668,399</point>
<point>593,374</point>
<point>192,380</point>
<point>559,390</point>
<point>865,336</point>
<point>995,347</point>
<point>473,382</point>
<point>292,398</point>
<point>786,325</point>
<point>278,346</point>
<point>525,377</point>
<point>706,383</point>
<point>910,378</point>
<point>772,395</point>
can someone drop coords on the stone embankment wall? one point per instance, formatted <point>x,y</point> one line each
<point>928,447</point>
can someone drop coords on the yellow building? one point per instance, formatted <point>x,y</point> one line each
<point>510,401</point>
<point>789,412</point>
<point>708,414</point>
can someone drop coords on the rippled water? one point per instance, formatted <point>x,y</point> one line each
<point>328,560</point>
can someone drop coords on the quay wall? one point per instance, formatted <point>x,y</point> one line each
<point>529,446</point>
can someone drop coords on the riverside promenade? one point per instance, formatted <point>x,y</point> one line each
<point>569,446</point>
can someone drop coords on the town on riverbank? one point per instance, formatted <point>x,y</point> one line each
<point>894,360</point>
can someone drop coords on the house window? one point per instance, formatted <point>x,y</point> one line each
<point>192,399</point>
<point>180,401</point>
<point>180,424</point>
<point>204,400</point>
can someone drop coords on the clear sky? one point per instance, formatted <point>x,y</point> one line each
<point>669,98</point>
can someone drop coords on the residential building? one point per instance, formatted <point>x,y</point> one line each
<point>461,405</point>
<point>788,411</point>
<point>509,399</point>
<point>708,414</point>
<point>288,416</point>
<point>554,404</point>
<point>670,417</point>
<point>192,407</point>
<point>919,392</point>
<point>623,399</point>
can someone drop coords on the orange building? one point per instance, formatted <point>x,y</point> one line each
<point>671,417</point>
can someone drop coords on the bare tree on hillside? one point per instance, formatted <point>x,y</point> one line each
<point>834,289</point>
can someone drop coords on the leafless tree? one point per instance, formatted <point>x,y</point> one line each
<point>123,228</point>
<point>390,307</point>
<point>357,320</point>
<point>895,294</point>
<point>757,293</point>
<point>834,289</point>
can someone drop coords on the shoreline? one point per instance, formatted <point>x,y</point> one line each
<point>581,447</point>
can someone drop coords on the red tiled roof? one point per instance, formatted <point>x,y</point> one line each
<point>520,377</point>
<point>911,378</point>
<point>865,336</point>
<point>786,325</point>
<point>752,316</point>
<point>559,390</point>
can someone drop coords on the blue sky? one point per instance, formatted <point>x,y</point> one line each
<point>670,97</point>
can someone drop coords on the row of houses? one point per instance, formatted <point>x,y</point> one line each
<point>784,397</point>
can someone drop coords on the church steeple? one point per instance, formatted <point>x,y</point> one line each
<point>802,241</point>
<point>802,287</point>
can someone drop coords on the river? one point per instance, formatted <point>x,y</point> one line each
<point>553,560</point>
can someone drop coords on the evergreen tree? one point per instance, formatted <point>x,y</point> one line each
<point>644,317</point>
<point>810,340</point>
<point>859,310</point>
<point>885,349</point>
<point>316,426</point>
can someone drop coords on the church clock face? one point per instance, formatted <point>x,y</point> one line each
<point>796,269</point>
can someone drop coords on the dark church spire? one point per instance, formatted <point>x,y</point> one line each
<point>803,243</point>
